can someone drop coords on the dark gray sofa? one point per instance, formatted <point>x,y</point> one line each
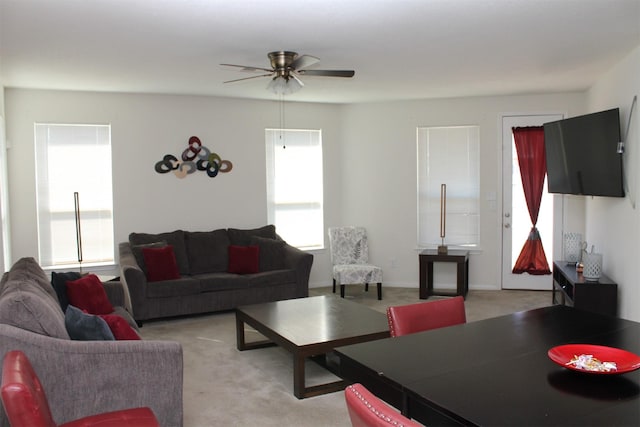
<point>84,378</point>
<point>205,285</point>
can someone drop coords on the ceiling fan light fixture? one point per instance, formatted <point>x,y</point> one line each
<point>281,85</point>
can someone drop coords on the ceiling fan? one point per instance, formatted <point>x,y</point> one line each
<point>285,68</point>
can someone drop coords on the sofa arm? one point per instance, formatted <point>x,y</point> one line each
<point>301,262</point>
<point>134,280</point>
<point>83,378</point>
<point>115,293</point>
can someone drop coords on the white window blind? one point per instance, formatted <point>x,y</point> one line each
<point>74,158</point>
<point>449,155</point>
<point>294,186</point>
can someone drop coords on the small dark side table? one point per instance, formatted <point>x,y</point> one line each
<point>428,257</point>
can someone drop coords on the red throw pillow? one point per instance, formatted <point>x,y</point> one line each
<point>161,263</point>
<point>244,259</point>
<point>87,293</point>
<point>120,329</point>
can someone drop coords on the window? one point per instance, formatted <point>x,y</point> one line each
<point>294,186</point>
<point>70,159</point>
<point>449,155</point>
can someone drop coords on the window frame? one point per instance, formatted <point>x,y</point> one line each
<point>461,174</point>
<point>98,248</point>
<point>296,199</point>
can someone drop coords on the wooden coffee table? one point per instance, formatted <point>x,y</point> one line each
<point>308,327</point>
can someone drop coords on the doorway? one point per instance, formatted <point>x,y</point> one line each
<point>516,222</point>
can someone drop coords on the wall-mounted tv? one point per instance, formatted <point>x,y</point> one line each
<point>582,155</point>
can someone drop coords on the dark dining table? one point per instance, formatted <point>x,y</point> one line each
<point>496,372</point>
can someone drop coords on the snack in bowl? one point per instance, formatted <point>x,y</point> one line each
<point>589,363</point>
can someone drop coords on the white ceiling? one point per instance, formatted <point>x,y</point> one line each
<point>400,49</point>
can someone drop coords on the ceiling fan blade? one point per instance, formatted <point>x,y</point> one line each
<point>297,79</point>
<point>327,73</point>
<point>249,78</point>
<point>248,68</point>
<point>304,61</point>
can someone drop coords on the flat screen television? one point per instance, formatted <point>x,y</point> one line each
<point>582,155</point>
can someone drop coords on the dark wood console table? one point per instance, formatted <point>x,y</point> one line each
<point>428,257</point>
<point>572,289</point>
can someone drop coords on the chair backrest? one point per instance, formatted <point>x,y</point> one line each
<point>23,397</point>
<point>423,316</point>
<point>348,245</point>
<point>366,410</point>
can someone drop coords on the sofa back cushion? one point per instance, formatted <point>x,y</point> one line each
<point>271,253</point>
<point>25,305</point>
<point>28,269</point>
<point>243,237</point>
<point>208,251</point>
<point>174,238</point>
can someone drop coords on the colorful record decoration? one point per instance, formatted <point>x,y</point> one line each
<point>196,157</point>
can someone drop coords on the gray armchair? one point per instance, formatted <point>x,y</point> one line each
<point>84,378</point>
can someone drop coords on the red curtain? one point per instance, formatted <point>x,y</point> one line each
<point>533,167</point>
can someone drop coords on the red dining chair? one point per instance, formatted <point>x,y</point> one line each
<point>26,404</point>
<point>423,316</point>
<point>366,410</point>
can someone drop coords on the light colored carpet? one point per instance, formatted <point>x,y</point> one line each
<point>226,387</point>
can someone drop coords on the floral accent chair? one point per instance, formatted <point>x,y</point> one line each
<point>350,258</point>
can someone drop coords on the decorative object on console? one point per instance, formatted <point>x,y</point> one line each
<point>592,265</point>
<point>196,157</point>
<point>442,249</point>
<point>573,247</point>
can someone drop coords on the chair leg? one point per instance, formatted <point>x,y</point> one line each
<point>334,286</point>
<point>341,291</point>
<point>379,291</point>
<point>366,287</point>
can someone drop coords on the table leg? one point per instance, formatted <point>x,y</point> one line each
<point>240,340</point>
<point>461,278</point>
<point>298,376</point>
<point>423,279</point>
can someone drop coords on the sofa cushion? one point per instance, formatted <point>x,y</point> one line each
<point>173,288</point>
<point>212,282</point>
<point>87,293</point>
<point>174,238</point>
<point>244,259</point>
<point>26,305</point>
<point>271,253</point>
<point>161,263</point>
<point>59,283</point>
<point>137,253</point>
<point>243,237</point>
<point>270,278</point>
<point>119,327</point>
<point>208,251</point>
<point>86,327</point>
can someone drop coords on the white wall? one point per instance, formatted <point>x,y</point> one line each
<point>369,165</point>
<point>613,225</point>
<point>144,129</point>
<point>379,186</point>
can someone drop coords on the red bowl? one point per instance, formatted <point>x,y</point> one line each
<point>625,361</point>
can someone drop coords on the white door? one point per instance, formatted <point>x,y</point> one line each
<point>516,222</point>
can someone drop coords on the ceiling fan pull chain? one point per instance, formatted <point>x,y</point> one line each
<point>282,130</point>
